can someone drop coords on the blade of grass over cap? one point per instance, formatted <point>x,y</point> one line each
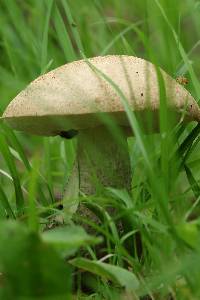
<point>130,114</point>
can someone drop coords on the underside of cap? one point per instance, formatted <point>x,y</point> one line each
<point>77,96</point>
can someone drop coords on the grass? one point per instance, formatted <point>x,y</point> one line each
<point>157,254</point>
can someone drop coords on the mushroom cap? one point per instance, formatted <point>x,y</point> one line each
<point>75,96</point>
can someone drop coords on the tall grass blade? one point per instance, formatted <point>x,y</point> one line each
<point>44,62</point>
<point>63,37</point>
<point>4,149</point>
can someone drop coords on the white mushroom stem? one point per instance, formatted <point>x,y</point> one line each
<point>103,160</point>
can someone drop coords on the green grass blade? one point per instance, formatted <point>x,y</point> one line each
<point>44,61</point>
<point>184,56</point>
<point>4,149</point>
<point>72,25</point>
<point>19,22</point>
<point>118,275</point>
<point>189,140</point>
<point>193,183</point>
<point>14,141</point>
<point>63,37</point>
<point>5,203</point>
<point>48,169</point>
<point>33,219</point>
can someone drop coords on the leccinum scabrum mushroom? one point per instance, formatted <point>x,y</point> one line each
<point>74,98</point>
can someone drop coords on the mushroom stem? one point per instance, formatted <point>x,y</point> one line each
<point>103,160</point>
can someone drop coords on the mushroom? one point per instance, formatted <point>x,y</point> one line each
<point>76,99</point>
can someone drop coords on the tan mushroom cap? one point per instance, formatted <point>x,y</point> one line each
<point>73,96</point>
